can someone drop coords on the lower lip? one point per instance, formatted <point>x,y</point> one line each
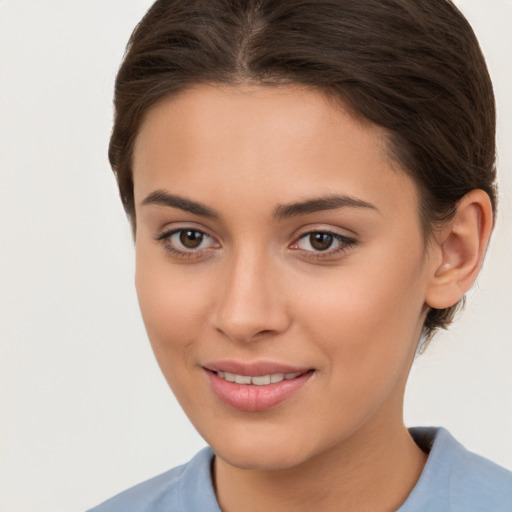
<point>253,398</point>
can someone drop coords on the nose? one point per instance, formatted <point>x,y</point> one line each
<point>251,305</point>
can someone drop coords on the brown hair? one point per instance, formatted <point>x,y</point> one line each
<point>413,67</point>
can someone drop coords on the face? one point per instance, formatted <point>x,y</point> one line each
<point>278,247</point>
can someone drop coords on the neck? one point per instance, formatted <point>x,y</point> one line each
<point>370,471</point>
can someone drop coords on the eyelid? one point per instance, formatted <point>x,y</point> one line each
<point>165,235</point>
<point>334,234</point>
<point>174,227</point>
<point>345,243</point>
<point>329,230</point>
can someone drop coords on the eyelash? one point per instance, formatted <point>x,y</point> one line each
<point>165,239</point>
<point>345,244</point>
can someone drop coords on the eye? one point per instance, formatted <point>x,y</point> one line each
<point>189,238</point>
<point>187,242</point>
<point>326,242</point>
<point>316,241</point>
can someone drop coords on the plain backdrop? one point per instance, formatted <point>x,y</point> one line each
<point>84,411</point>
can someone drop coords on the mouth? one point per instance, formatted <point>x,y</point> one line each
<point>256,387</point>
<point>260,380</point>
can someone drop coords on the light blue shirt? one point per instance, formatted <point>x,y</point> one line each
<point>453,480</point>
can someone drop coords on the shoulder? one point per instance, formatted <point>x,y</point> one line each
<point>172,491</point>
<point>477,478</point>
<point>455,479</point>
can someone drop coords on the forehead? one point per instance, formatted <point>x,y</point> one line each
<point>278,143</point>
<point>298,114</point>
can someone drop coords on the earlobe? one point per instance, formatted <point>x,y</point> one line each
<point>460,248</point>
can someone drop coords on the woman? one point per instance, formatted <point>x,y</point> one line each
<point>311,186</point>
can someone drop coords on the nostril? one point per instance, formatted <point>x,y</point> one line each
<point>263,332</point>
<point>245,333</point>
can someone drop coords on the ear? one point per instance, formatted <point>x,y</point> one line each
<point>459,249</point>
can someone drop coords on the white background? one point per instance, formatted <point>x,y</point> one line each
<point>85,412</point>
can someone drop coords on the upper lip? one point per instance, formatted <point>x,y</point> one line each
<point>253,368</point>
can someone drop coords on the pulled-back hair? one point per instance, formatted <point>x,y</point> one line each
<point>413,67</point>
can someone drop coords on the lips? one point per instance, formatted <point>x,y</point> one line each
<point>253,369</point>
<point>256,386</point>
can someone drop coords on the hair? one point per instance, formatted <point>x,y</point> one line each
<point>413,67</point>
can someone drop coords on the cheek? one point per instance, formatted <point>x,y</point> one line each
<point>366,319</point>
<point>173,309</point>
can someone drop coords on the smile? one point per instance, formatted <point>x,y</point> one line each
<point>261,380</point>
<point>266,388</point>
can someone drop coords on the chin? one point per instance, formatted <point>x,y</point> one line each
<point>263,452</point>
<point>260,460</point>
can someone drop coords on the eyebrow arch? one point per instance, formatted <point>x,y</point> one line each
<point>163,198</point>
<point>333,202</point>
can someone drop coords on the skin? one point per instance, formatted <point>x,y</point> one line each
<point>256,289</point>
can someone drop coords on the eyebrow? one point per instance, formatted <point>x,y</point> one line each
<point>163,198</point>
<point>331,202</point>
<point>282,212</point>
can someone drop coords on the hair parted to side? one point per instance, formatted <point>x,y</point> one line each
<point>413,67</point>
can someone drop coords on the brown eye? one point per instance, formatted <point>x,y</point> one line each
<point>189,243</point>
<point>321,241</point>
<point>191,239</point>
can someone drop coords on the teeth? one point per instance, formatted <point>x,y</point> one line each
<point>261,380</point>
<point>229,376</point>
<point>242,379</point>
<point>276,377</point>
